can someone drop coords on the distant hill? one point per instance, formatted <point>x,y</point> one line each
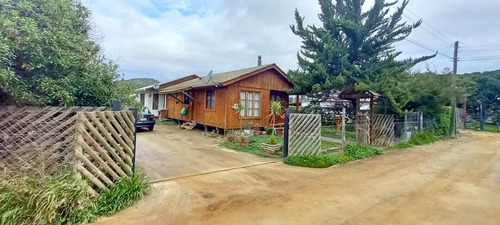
<point>141,82</point>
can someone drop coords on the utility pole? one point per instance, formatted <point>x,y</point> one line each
<point>453,116</point>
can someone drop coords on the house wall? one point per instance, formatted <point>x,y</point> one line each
<point>148,100</point>
<point>223,115</point>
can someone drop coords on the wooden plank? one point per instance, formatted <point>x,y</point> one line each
<point>103,153</point>
<point>98,160</point>
<point>91,177</point>
<point>115,146</point>
<point>95,170</point>
<point>128,148</point>
<point>103,142</point>
<point>121,130</point>
<point>123,124</point>
<point>129,122</point>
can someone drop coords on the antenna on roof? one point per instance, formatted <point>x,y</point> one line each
<point>209,78</point>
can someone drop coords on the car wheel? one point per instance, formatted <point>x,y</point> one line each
<point>150,128</point>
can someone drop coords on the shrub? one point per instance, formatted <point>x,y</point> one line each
<point>63,199</point>
<point>401,145</point>
<point>307,161</point>
<point>124,193</point>
<point>423,138</point>
<point>39,199</point>
<point>441,125</point>
<point>338,158</point>
<point>360,151</point>
<point>272,140</point>
<point>269,130</point>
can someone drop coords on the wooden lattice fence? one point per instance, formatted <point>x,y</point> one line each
<point>382,130</point>
<point>97,143</point>
<point>304,134</point>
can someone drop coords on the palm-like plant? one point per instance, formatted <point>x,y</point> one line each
<point>276,109</point>
<point>239,108</point>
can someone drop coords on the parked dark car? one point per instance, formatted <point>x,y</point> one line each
<point>146,120</point>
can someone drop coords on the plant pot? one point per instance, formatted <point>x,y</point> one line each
<point>270,149</point>
<point>230,138</point>
<point>256,132</point>
<point>245,143</point>
<point>279,130</point>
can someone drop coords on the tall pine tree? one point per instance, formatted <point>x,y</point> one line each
<point>354,46</point>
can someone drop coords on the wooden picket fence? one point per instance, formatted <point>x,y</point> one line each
<point>304,134</point>
<point>382,130</point>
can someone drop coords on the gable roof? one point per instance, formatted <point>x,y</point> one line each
<point>168,83</point>
<point>223,79</point>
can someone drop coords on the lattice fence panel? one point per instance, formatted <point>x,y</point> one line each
<point>304,134</point>
<point>105,146</point>
<point>382,130</point>
<point>37,139</point>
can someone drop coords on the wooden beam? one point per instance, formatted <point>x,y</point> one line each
<point>176,98</point>
<point>297,104</point>
<point>190,96</point>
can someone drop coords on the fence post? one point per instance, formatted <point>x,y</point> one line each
<point>135,139</point>
<point>421,121</point>
<point>287,126</point>
<point>343,129</point>
<point>117,105</point>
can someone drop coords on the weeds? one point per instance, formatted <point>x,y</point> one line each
<point>63,199</point>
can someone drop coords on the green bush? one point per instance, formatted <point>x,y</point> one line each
<point>423,138</point>
<point>307,161</point>
<point>269,130</point>
<point>123,194</point>
<point>63,199</point>
<point>360,151</point>
<point>38,199</point>
<point>401,145</point>
<point>441,125</point>
<point>338,158</point>
<point>272,140</point>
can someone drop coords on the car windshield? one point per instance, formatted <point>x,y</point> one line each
<point>146,111</point>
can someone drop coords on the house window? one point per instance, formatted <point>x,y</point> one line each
<point>155,101</point>
<point>251,103</point>
<point>210,99</point>
<point>186,99</point>
<point>142,99</point>
<point>275,97</point>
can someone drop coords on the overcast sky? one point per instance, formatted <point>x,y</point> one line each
<point>167,39</point>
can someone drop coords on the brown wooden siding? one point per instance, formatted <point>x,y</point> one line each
<point>223,115</point>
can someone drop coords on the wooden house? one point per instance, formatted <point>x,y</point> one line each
<point>210,100</point>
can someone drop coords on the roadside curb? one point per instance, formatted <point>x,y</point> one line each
<point>211,172</point>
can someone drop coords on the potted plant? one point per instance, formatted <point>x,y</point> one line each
<point>244,140</point>
<point>239,108</point>
<point>256,132</point>
<point>272,146</point>
<point>276,109</point>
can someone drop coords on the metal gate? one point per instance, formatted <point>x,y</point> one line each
<point>304,137</point>
<point>382,130</point>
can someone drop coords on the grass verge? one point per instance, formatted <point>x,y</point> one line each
<point>63,199</point>
<point>352,152</point>
<point>419,139</point>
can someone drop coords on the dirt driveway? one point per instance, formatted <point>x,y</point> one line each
<point>450,182</point>
<point>169,151</point>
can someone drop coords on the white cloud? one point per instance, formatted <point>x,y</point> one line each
<point>165,39</point>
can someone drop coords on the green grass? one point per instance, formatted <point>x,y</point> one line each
<point>254,147</point>
<point>326,145</point>
<point>62,199</point>
<point>353,151</point>
<point>167,122</point>
<point>419,139</point>
<point>486,127</point>
<point>331,131</point>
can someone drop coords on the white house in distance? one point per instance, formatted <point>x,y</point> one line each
<point>150,97</point>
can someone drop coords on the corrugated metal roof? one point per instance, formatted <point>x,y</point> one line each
<point>166,83</point>
<point>215,79</point>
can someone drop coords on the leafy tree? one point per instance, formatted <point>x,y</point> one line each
<point>49,57</point>
<point>353,45</point>
<point>487,92</point>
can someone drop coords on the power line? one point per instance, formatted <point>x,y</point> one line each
<point>425,47</point>
<point>478,59</point>
<point>486,56</point>
<point>481,50</point>
<point>430,32</point>
<point>480,46</point>
<point>430,26</point>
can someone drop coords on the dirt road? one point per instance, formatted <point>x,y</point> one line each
<point>450,182</point>
<point>169,151</point>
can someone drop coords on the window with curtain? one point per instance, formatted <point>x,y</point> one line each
<point>155,101</point>
<point>142,99</point>
<point>210,99</point>
<point>251,101</point>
